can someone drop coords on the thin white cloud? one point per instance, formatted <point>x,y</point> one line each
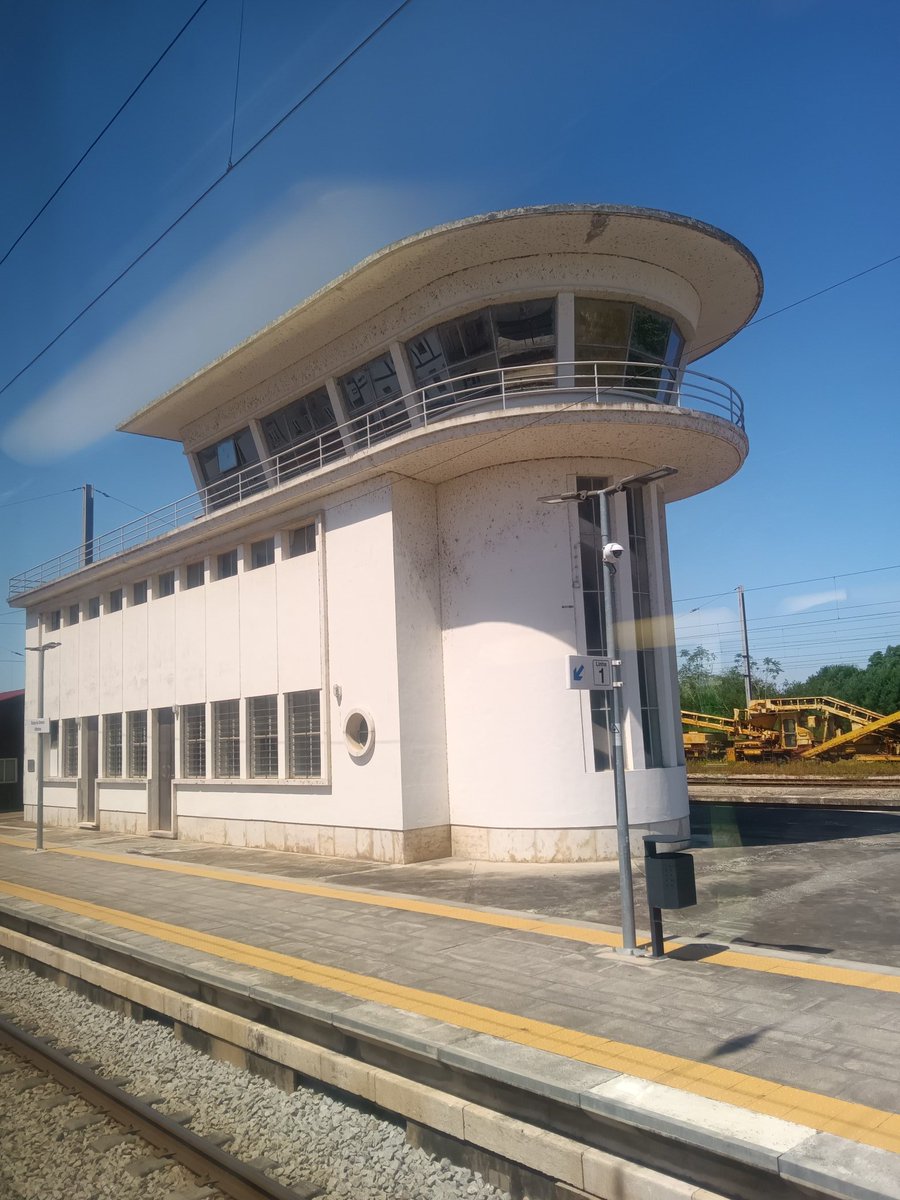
<point>246,283</point>
<point>802,603</point>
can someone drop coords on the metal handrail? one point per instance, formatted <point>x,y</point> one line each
<point>499,389</point>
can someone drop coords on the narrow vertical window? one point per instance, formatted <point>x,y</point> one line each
<point>115,600</point>
<point>262,731</point>
<point>304,740</point>
<point>55,619</point>
<point>226,739</point>
<point>226,564</point>
<point>303,541</point>
<point>70,748</point>
<point>73,615</point>
<point>112,745</point>
<point>193,741</point>
<point>644,627</point>
<point>137,745</point>
<point>139,592</point>
<point>262,553</point>
<point>165,584</point>
<point>592,588</point>
<point>194,575</point>
<point>93,608</point>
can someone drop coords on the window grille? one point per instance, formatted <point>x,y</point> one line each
<point>166,584</point>
<point>227,564</point>
<point>9,770</point>
<point>303,541</point>
<point>193,741</point>
<point>194,575</point>
<point>139,592</point>
<point>70,748</point>
<point>93,608</point>
<point>304,742</point>
<point>227,739</point>
<point>262,731</point>
<point>137,745</point>
<point>115,600</point>
<point>262,554</point>
<point>112,745</point>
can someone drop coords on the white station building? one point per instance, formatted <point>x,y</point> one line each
<point>351,639</point>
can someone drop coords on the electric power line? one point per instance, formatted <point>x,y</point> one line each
<point>767,587</point>
<point>131,95</point>
<point>118,500</point>
<point>206,192</point>
<point>46,496</point>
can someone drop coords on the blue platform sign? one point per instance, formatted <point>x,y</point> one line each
<point>589,673</point>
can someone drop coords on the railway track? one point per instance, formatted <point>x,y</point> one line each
<point>169,1139</point>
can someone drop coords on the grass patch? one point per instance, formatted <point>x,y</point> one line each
<point>798,769</point>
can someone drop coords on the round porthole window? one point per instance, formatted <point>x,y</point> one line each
<point>359,733</point>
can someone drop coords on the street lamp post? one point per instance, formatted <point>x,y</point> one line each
<point>39,765</point>
<point>610,553</point>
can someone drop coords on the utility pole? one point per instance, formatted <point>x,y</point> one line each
<point>748,684</point>
<point>87,523</point>
<point>611,552</point>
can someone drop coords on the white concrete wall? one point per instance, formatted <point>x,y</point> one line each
<point>420,666</point>
<point>517,756</point>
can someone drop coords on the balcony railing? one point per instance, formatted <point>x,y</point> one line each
<point>503,390</point>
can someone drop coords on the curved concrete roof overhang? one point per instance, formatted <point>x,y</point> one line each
<point>722,273</point>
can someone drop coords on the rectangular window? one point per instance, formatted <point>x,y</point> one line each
<point>193,741</point>
<point>226,716</point>
<point>54,621</point>
<point>262,553</point>
<point>112,745</point>
<point>262,732</point>
<point>165,584</point>
<point>93,608</point>
<point>644,627</point>
<point>137,745</point>
<point>70,748</point>
<point>73,615</point>
<point>194,575</point>
<point>303,541</point>
<point>304,741</point>
<point>592,595</point>
<point>51,752</point>
<point>115,600</point>
<point>139,592</point>
<point>9,770</point>
<point>226,564</point>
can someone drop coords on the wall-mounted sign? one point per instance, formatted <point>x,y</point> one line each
<point>589,673</point>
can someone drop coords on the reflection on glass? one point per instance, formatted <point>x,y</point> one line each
<point>371,387</point>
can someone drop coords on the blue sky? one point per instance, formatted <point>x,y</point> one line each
<point>774,120</point>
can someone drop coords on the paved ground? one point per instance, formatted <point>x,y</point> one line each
<point>825,882</point>
<point>801,1026</point>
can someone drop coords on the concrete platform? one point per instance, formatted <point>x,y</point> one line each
<point>723,1069</point>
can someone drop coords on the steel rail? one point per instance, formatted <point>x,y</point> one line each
<point>234,1178</point>
<point>502,389</point>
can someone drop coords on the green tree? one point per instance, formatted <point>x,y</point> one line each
<point>720,692</point>
<point>875,686</point>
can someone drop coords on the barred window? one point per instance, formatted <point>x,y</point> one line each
<point>303,540</point>
<point>70,748</point>
<point>115,600</point>
<point>112,745</point>
<point>262,731</point>
<point>9,770</point>
<point>139,592</point>
<point>262,553</point>
<point>193,741</point>
<point>226,739</point>
<point>304,742</point>
<point>137,745</point>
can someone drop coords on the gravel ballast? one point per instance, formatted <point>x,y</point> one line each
<point>314,1138</point>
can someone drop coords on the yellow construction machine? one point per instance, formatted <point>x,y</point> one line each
<point>786,727</point>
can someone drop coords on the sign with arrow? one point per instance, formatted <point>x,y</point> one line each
<point>589,673</point>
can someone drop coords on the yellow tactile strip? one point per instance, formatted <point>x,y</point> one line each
<point>817,972</point>
<point>870,1126</point>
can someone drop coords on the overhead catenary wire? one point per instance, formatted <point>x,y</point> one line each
<point>767,587</point>
<point>131,95</point>
<point>208,190</point>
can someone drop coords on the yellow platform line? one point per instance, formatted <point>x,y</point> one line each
<point>791,968</point>
<point>871,1126</point>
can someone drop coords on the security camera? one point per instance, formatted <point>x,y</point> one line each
<point>612,552</point>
